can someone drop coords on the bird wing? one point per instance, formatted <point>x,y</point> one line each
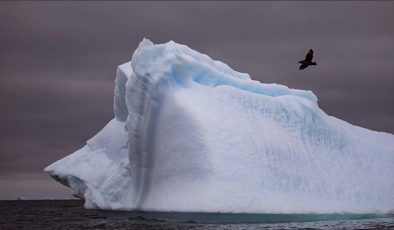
<point>309,55</point>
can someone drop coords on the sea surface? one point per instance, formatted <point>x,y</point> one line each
<point>70,214</point>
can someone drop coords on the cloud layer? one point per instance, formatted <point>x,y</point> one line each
<point>58,62</point>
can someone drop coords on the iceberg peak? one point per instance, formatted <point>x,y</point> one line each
<point>185,66</point>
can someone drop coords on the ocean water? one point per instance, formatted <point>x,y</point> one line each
<point>70,214</point>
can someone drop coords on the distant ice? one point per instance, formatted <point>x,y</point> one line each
<point>191,134</point>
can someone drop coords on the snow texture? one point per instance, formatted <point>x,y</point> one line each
<point>191,134</point>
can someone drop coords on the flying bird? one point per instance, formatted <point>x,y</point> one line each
<point>307,61</point>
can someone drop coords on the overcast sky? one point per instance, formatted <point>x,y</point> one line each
<point>58,62</point>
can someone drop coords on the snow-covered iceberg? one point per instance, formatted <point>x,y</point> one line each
<point>191,134</point>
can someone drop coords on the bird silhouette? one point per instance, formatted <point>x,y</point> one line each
<point>307,61</point>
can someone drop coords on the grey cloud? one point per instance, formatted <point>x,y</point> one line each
<point>58,61</point>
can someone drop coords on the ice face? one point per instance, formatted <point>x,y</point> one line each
<point>191,134</point>
<point>100,171</point>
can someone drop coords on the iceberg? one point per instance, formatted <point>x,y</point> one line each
<point>190,134</point>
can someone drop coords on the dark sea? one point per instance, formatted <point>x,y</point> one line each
<point>70,214</point>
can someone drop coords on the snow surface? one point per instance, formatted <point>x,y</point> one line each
<point>191,134</point>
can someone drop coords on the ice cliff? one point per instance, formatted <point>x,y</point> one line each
<point>191,134</point>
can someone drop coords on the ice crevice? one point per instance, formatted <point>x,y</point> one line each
<point>191,134</point>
